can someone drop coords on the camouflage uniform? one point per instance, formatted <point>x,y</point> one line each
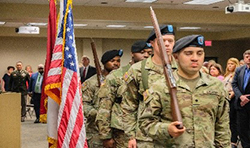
<point>90,89</point>
<point>109,117</point>
<point>204,112</point>
<point>132,103</point>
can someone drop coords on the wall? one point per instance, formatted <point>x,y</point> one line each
<point>32,51</point>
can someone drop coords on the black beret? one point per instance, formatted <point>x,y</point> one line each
<point>139,46</point>
<point>108,55</point>
<point>165,29</point>
<point>189,41</point>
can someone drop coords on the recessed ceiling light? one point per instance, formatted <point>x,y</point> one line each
<point>80,25</point>
<point>189,28</point>
<point>2,23</point>
<point>37,24</point>
<point>116,26</point>
<point>148,27</point>
<point>140,1</point>
<point>202,2</point>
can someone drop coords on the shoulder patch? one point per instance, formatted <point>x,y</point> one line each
<point>125,76</point>
<point>84,85</point>
<point>103,83</point>
<point>145,95</point>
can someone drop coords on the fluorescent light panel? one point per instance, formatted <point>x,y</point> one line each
<point>202,2</point>
<point>116,26</point>
<point>148,27</point>
<point>2,23</point>
<point>80,25</point>
<point>37,24</point>
<point>189,28</point>
<point>140,1</point>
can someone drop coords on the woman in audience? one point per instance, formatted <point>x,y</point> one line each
<point>215,70</point>
<point>242,62</point>
<point>6,78</point>
<point>232,64</point>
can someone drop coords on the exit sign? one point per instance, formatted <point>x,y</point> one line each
<point>208,43</point>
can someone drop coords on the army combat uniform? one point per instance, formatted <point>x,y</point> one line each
<point>90,89</point>
<point>132,103</point>
<point>204,111</point>
<point>109,118</point>
<point>17,83</point>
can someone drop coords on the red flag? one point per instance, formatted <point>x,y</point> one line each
<point>65,116</point>
<point>51,37</point>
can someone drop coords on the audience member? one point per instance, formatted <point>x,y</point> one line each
<point>232,64</point>
<point>205,64</point>
<point>35,87</point>
<point>86,71</point>
<point>210,62</point>
<point>241,88</point>
<point>17,83</point>
<point>204,70</point>
<point>242,62</point>
<point>6,78</point>
<point>28,68</point>
<point>215,70</point>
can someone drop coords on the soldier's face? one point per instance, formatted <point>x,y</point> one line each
<point>113,64</point>
<point>19,66</point>
<point>139,56</point>
<point>190,61</point>
<point>169,41</point>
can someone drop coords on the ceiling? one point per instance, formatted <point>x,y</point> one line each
<point>129,14</point>
<point>166,4</point>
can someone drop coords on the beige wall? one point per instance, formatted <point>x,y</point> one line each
<point>32,50</point>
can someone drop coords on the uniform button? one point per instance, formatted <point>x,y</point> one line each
<point>189,130</point>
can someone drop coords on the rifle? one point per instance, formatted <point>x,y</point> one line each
<point>100,78</point>
<point>171,83</point>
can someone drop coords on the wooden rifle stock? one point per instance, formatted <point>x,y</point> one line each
<point>100,77</point>
<point>171,83</point>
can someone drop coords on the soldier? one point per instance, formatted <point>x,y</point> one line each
<point>138,77</point>
<point>109,117</point>
<point>202,102</point>
<point>90,88</point>
<point>18,80</point>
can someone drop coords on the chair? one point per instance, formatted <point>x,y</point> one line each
<point>29,107</point>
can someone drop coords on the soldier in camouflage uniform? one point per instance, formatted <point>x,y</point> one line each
<point>138,77</point>
<point>109,117</point>
<point>202,102</point>
<point>90,88</point>
<point>17,83</point>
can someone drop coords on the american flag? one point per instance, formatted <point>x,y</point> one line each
<point>65,117</point>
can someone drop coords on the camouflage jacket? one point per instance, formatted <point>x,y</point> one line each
<point>204,112</point>
<point>110,94</point>
<point>131,104</point>
<point>90,89</point>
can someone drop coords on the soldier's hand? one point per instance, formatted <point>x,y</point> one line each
<point>132,143</point>
<point>109,143</point>
<point>174,131</point>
